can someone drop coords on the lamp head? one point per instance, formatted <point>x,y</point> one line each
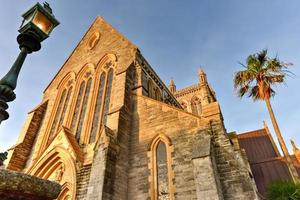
<point>38,21</point>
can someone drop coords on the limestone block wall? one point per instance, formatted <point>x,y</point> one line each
<point>152,118</point>
<point>23,150</point>
<point>234,175</point>
<point>83,177</point>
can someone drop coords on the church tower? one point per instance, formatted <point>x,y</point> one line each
<point>202,76</point>
<point>108,128</point>
<point>199,98</point>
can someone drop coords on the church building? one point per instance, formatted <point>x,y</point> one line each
<point>109,128</point>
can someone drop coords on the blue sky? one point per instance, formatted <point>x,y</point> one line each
<point>176,37</point>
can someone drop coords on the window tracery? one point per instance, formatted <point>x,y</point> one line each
<point>101,99</point>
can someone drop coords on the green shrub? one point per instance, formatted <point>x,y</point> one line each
<point>284,190</point>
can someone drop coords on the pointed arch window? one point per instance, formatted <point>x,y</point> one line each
<point>99,104</point>
<point>196,106</point>
<point>162,172</point>
<point>161,187</point>
<point>80,108</point>
<point>60,112</point>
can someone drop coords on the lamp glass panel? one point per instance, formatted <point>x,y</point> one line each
<point>42,22</point>
<point>27,19</point>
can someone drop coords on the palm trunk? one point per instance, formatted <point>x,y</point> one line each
<point>284,149</point>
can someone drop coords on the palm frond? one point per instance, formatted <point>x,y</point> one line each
<point>260,74</point>
<point>243,90</point>
<point>254,93</point>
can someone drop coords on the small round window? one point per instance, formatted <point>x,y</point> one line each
<point>94,39</point>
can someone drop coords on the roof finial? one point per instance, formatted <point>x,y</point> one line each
<point>202,76</point>
<point>172,86</point>
<point>295,148</point>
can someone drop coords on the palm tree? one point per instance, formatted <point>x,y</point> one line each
<point>261,73</point>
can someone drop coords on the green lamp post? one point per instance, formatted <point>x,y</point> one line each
<point>38,23</point>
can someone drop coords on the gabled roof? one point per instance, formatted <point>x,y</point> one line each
<point>66,139</point>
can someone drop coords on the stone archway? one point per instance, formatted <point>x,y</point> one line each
<point>58,165</point>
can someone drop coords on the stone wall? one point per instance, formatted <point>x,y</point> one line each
<point>234,175</point>
<point>23,150</point>
<point>185,130</point>
<point>83,177</point>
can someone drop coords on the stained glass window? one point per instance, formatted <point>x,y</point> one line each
<point>97,110</point>
<point>162,172</point>
<point>77,105</point>
<point>83,109</point>
<point>107,96</point>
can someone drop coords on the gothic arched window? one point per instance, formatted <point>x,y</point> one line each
<point>162,172</point>
<point>80,107</point>
<point>97,110</point>
<point>161,186</point>
<point>196,106</point>
<point>60,112</point>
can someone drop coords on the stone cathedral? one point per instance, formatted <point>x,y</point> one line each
<point>109,128</point>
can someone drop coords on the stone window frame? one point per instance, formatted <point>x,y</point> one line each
<point>85,74</point>
<point>66,83</point>
<point>152,149</point>
<point>196,101</point>
<point>101,67</point>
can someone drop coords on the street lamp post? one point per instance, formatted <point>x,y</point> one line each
<point>38,22</point>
